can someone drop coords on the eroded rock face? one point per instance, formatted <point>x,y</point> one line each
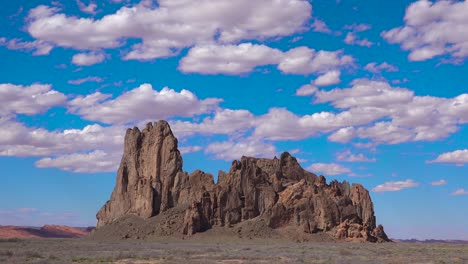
<point>277,192</point>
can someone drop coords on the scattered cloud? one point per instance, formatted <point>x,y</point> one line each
<point>319,26</point>
<point>28,100</point>
<point>329,78</point>
<point>328,168</point>
<point>90,8</point>
<point>350,157</point>
<point>306,90</point>
<point>140,104</point>
<point>88,59</point>
<point>460,192</point>
<point>395,186</point>
<point>38,47</point>
<point>245,57</point>
<point>85,80</point>
<point>432,29</point>
<point>230,150</point>
<point>189,149</point>
<point>96,161</point>
<point>378,68</point>
<point>353,39</point>
<point>439,183</point>
<point>170,26</point>
<point>457,156</point>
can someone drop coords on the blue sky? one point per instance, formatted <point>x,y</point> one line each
<point>373,92</point>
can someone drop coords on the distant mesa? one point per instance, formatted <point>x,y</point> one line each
<point>153,196</point>
<point>47,231</point>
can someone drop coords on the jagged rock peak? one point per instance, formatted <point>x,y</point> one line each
<point>277,192</point>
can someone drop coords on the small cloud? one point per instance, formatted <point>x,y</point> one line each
<point>459,157</point>
<point>89,9</point>
<point>439,183</point>
<point>350,157</point>
<point>85,80</point>
<point>378,68</point>
<point>328,168</point>
<point>320,26</point>
<point>306,90</point>
<point>395,186</point>
<point>190,149</point>
<point>88,59</point>
<point>27,210</point>
<point>353,39</point>
<point>460,192</point>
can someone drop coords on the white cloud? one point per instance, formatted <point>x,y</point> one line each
<point>353,39</point>
<point>328,168</point>
<point>460,192</point>
<point>357,27</point>
<point>39,47</point>
<point>229,59</point>
<point>245,57</point>
<point>29,100</point>
<point>88,59</point>
<point>378,68</point>
<point>224,121</point>
<point>457,156</point>
<point>306,90</point>
<point>432,29</point>
<point>86,79</point>
<point>230,150</point>
<point>350,157</point>
<point>189,149</point>
<point>329,78</point>
<point>171,26</point>
<point>303,60</point>
<point>320,26</point>
<point>90,8</point>
<point>140,104</point>
<point>395,186</point>
<point>439,183</point>
<point>96,161</point>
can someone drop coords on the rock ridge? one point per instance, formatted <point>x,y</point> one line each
<point>277,192</point>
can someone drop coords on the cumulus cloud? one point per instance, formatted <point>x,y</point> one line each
<point>306,90</point>
<point>353,39</point>
<point>303,60</point>
<point>432,29</point>
<point>378,68</point>
<point>319,26</point>
<point>90,8</point>
<point>439,183</point>
<point>329,78</point>
<point>171,26</point>
<point>460,192</point>
<point>88,59</point>
<point>224,121</point>
<point>29,100</point>
<point>230,150</point>
<point>328,168</point>
<point>348,156</point>
<point>38,47</point>
<point>457,156</point>
<point>229,59</point>
<point>96,161</point>
<point>245,57</point>
<point>395,186</point>
<point>139,104</point>
<point>189,149</point>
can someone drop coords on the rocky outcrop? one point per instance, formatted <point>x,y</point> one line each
<point>275,191</point>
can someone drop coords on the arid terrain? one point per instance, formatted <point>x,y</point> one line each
<point>224,251</point>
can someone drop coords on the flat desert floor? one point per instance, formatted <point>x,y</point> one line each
<point>235,251</point>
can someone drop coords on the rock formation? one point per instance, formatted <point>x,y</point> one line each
<point>278,192</point>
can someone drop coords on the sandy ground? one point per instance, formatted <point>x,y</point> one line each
<point>233,251</point>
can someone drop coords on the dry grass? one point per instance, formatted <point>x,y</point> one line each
<point>229,251</point>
